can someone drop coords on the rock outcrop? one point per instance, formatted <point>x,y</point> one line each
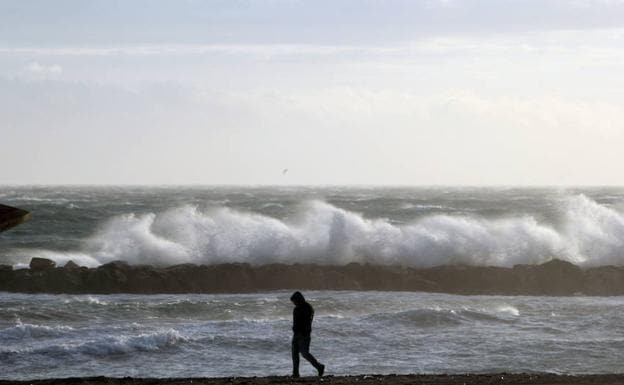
<point>12,216</point>
<point>71,265</point>
<point>556,277</point>
<point>39,264</point>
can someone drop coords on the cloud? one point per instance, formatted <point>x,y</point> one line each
<point>363,107</point>
<point>183,49</point>
<point>597,43</point>
<point>315,22</point>
<point>37,68</point>
<point>442,109</point>
<point>37,71</point>
<point>85,133</point>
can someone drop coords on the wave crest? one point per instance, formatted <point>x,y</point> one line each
<point>31,331</point>
<point>128,344</point>
<point>588,234</point>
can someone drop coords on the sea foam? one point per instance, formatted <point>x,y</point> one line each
<point>128,344</point>
<point>22,331</point>
<point>586,233</point>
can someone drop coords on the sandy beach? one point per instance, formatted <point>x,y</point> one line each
<point>463,379</point>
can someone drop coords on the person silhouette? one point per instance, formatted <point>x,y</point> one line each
<point>302,328</point>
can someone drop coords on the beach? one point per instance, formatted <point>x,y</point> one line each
<point>464,379</point>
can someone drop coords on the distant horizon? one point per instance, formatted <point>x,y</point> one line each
<point>165,185</point>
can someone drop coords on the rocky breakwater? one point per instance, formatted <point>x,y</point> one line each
<point>12,216</point>
<point>555,277</point>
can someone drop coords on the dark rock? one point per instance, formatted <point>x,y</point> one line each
<point>115,265</point>
<point>39,264</point>
<point>552,278</point>
<point>559,265</point>
<point>181,267</point>
<point>6,268</point>
<point>555,277</point>
<point>71,265</point>
<point>12,216</point>
<point>604,280</point>
<point>145,278</point>
<point>110,277</point>
<point>6,272</point>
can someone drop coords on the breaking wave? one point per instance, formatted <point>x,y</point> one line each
<point>31,331</point>
<point>438,317</point>
<point>586,233</point>
<point>128,344</point>
<point>109,345</point>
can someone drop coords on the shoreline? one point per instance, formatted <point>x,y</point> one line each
<point>432,379</point>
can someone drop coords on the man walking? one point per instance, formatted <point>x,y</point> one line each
<point>302,327</point>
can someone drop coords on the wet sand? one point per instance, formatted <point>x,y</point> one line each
<point>464,379</point>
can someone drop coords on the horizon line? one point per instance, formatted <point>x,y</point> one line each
<point>319,185</point>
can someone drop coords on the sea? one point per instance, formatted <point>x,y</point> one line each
<point>354,332</point>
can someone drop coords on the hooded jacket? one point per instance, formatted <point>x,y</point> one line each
<point>302,315</point>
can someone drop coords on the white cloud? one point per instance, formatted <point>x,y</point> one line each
<point>37,71</point>
<point>37,68</point>
<point>185,49</point>
<point>584,46</point>
<point>336,134</point>
<point>494,109</point>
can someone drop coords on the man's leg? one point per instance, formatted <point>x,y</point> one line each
<point>304,348</point>
<point>295,355</point>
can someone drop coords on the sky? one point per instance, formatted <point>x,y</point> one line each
<point>340,92</point>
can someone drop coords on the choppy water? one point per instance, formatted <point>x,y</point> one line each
<point>45,336</point>
<point>408,226</point>
<point>355,332</point>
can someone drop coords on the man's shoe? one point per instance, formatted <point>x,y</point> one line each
<point>295,375</point>
<point>321,370</point>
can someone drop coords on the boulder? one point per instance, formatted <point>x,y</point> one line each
<point>12,216</point>
<point>115,265</point>
<point>110,277</point>
<point>71,265</point>
<point>557,277</point>
<point>604,280</point>
<point>6,268</point>
<point>554,277</point>
<point>39,264</point>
